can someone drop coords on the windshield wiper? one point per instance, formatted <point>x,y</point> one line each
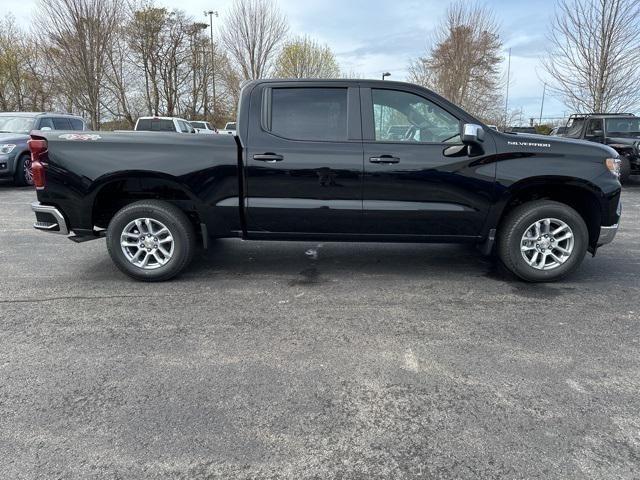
<point>5,131</point>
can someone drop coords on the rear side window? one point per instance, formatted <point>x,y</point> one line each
<point>61,124</point>
<point>315,114</point>
<point>155,125</point>
<point>76,124</point>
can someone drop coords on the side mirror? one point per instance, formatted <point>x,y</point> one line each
<point>596,133</point>
<point>472,134</point>
<point>45,129</point>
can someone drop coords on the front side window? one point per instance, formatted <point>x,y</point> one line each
<point>594,128</point>
<point>46,123</point>
<point>405,117</point>
<point>313,114</point>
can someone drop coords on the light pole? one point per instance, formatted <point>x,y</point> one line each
<point>385,75</point>
<point>211,13</point>
<point>544,91</point>
<point>506,102</point>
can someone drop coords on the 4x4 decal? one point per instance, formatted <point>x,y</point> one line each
<point>80,136</point>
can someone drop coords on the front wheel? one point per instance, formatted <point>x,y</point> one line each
<point>151,240</point>
<point>542,241</point>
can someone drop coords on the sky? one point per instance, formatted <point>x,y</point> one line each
<point>375,36</point>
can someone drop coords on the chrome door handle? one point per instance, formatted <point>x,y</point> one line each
<point>384,159</point>
<point>268,157</point>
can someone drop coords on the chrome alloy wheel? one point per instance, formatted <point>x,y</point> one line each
<point>147,243</point>
<point>28,174</point>
<point>547,244</point>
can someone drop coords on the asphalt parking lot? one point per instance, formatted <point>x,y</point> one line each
<point>266,360</point>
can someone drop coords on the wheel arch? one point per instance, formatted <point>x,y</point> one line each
<point>581,195</point>
<point>111,193</point>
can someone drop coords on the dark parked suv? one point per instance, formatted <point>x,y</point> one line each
<point>620,131</point>
<point>15,161</point>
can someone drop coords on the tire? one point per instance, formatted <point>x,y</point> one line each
<point>625,170</point>
<point>22,176</point>
<point>522,220</point>
<point>166,258</point>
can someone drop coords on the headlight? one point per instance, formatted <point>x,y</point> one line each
<point>613,164</point>
<point>7,148</point>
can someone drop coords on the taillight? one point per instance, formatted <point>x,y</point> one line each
<point>37,147</point>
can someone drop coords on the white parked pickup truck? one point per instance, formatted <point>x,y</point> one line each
<point>163,124</point>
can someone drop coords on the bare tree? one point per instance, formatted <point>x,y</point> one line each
<point>79,33</point>
<point>303,57</point>
<point>121,77</point>
<point>463,64</point>
<point>253,31</point>
<point>144,34</point>
<point>595,52</point>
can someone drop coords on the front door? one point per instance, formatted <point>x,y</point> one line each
<point>418,178</point>
<point>304,160</point>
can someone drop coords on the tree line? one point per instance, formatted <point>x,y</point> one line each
<point>115,60</point>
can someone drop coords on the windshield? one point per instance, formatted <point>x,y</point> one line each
<point>574,129</point>
<point>623,127</point>
<point>16,124</point>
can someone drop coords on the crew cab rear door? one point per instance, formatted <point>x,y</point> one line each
<point>418,177</point>
<point>304,159</point>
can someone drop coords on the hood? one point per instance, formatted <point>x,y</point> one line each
<point>623,140</point>
<point>556,145</point>
<point>18,138</point>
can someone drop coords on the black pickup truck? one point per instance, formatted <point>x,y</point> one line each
<point>322,160</point>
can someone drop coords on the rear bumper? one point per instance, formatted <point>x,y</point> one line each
<point>49,219</point>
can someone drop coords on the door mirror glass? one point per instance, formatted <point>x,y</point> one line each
<point>472,134</point>
<point>45,129</point>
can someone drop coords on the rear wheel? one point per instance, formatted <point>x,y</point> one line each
<point>542,241</point>
<point>23,175</point>
<point>151,240</point>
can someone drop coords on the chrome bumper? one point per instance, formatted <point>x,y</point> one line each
<point>53,221</point>
<point>607,234</point>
